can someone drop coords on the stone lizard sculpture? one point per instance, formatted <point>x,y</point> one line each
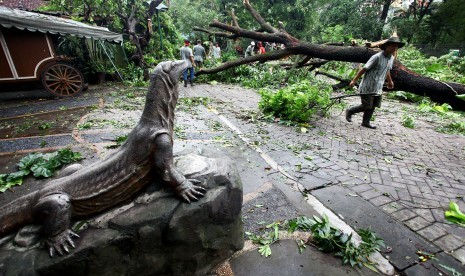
<point>147,152</point>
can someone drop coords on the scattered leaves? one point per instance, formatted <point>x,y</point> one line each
<point>452,270</point>
<point>454,214</point>
<point>119,141</point>
<point>266,239</point>
<point>330,239</point>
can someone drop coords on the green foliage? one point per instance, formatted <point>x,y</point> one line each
<point>444,68</point>
<point>119,141</point>
<point>41,165</point>
<point>44,126</point>
<point>134,75</point>
<point>86,125</point>
<point>189,13</point>
<point>348,18</point>
<point>111,14</point>
<point>325,237</point>
<point>427,106</point>
<point>454,214</point>
<point>452,20</point>
<point>254,75</point>
<point>452,122</point>
<point>444,23</point>
<point>405,96</point>
<point>297,102</point>
<point>370,242</point>
<point>408,121</point>
<point>330,239</point>
<point>335,34</point>
<point>457,127</point>
<point>462,96</point>
<point>266,239</point>
<point>72,46</point>
<point>171,39</point>
<point>188,104</point>
<point>300,224</point>
<point>344,70</point>
<point>98,59</point>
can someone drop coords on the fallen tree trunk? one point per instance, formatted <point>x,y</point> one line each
<point>404,79</point>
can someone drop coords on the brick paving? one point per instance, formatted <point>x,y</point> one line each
<point>410,174</point>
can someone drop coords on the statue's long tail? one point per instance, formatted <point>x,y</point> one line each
<point>16,214</point>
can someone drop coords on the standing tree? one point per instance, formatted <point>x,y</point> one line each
<point>134,18</point>
<point>384,13</point>
<point>411,21</point>
<point>128,15</point>
<point>403,78</point>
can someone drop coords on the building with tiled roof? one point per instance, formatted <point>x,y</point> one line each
<point>30,5</point>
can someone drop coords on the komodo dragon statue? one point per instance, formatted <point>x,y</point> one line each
<point>147,152</point>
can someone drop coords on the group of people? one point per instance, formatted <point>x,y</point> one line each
<point>376,71</point>
<point>261,48</point>
<point>195,58</point>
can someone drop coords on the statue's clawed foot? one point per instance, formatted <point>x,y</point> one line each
<point>60,242</point>
<point>190,190</point>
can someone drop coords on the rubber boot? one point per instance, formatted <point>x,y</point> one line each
<point>351,111</point>
<point>367,117</point>
<point>185,83</point>
<point>192,83</point>
<point>348,115</point>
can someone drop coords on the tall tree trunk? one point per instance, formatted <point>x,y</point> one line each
<point>404,79</point>
<point>382,18</point>
<point>131,22</point>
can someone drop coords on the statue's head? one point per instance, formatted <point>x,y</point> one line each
<point>170,71</point>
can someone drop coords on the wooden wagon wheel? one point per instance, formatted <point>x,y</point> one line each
<point>62,79</point>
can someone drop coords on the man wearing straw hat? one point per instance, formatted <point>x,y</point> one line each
<point>376,71</point>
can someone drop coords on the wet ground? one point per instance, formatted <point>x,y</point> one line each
<point>396,180</point>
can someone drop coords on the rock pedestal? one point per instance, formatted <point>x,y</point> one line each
<point>156,234</point>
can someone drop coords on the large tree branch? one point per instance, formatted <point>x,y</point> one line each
<point>277,38</point>
<point>265,25</point>
<point>304,63</point>
<point>404,79</point>
<point>234,18</point>
<point>275,55</point>
<point>220,34</point>
<point>342,82</point>
<point>332,76</point>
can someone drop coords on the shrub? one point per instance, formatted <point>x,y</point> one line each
<point>134,75</point>
<point>297,102</point>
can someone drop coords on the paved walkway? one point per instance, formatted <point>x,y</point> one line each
<point>410,174</point>
<point>396,180</point>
